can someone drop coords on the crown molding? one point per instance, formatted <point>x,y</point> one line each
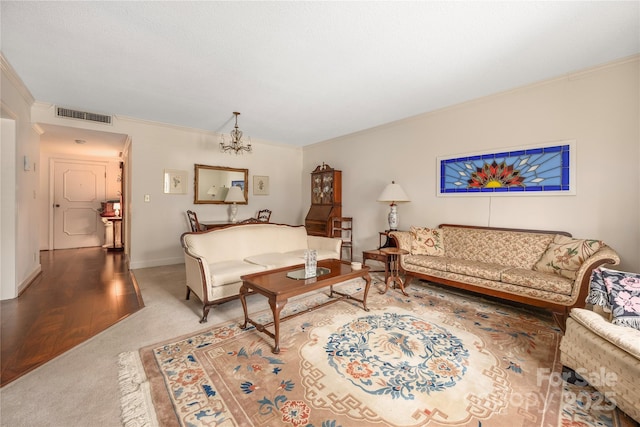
<point>36,127</point>
<point>11,74</point>
<point>6,112</point>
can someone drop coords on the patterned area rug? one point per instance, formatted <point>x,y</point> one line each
<point>435,358</point>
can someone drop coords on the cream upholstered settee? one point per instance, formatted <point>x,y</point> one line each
<point>602,344</point>
<point>546,269</point>
<point>216,259</point>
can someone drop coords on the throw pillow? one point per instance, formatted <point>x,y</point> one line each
<point>623,289</point>
<point>426,241</point>
<point>598,294</point>
<point>565,255</point>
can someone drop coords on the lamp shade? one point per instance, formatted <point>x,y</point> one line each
<point>235,195</point>
<point>212,191</point>
<point>393,193</point>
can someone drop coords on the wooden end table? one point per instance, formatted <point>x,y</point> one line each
<point>278,287</point>
<point>377,255</point>
<point>394,268</point>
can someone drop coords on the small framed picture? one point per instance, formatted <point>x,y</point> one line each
<point>175,181</point>
<point>238,184</point>
<point>260,185</point>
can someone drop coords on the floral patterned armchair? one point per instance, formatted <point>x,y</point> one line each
<point>603,345</point>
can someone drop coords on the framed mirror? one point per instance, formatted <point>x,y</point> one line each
<point>212,183</point>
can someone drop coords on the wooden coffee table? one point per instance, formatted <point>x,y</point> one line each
<point>278,288</point>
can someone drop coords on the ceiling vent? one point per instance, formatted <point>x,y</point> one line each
<point>82,115</point>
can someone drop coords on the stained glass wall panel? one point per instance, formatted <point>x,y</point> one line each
<point>523,171</point>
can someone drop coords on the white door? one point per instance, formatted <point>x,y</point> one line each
<point>79,189</point>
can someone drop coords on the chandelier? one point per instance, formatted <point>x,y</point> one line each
<point>237,144</point>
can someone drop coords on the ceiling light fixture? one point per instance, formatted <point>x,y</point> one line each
<point>237,144</point>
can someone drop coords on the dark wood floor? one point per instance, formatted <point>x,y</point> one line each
<point>80,293</point>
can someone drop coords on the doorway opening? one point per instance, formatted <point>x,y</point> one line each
<point>82,178</point>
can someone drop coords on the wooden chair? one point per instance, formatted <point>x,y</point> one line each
<point>250,221</point>
<point>264,215</point>
<point>193,222</point>
<point>342,227</point>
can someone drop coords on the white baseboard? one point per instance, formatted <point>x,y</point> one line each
<point>133,265</point>
<point>30,278</point>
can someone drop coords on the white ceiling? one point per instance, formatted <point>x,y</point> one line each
<point>301,72</point>
<point>82,142</point>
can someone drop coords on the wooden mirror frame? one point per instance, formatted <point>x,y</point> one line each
<point>221,177</point>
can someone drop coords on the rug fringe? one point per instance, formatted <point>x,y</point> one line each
<point>135,394</point>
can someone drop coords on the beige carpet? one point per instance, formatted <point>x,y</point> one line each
<point>438,358</point>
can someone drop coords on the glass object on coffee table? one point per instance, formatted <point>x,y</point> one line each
<point>310,263</point>
<point>302,274</point>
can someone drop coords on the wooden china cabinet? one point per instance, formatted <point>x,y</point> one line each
<point>326,200</point>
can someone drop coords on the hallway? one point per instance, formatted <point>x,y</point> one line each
<point>79,293</point>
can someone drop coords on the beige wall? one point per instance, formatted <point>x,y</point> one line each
<point>154,228</point>
<point>160,223</point>
<point>598,108</point>
<point>20,257</point>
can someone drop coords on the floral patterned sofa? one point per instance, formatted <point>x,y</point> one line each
<point>547,269</point>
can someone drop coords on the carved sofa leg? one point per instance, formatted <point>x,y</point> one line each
<point>205,313</point>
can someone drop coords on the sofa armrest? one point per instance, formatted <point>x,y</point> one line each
<point>327,243</point>
<point>402,239</point>
<point>198,275</point>
<point>624,337</point>
<point>605,255</point>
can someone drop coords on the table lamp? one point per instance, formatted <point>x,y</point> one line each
<point>212,191</point>
<point>393,193</point>
<point>116,208</point>
<point>234,196</point>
